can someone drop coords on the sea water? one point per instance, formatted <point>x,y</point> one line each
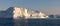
<point>29,22</point>
<point>6,22</point>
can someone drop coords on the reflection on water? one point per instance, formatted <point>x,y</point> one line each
<point>29,22</point>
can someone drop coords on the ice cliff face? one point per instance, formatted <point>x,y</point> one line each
<point>20,12</point>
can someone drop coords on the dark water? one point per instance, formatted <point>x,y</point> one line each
<point>6,22</point>
<point>29,22</point>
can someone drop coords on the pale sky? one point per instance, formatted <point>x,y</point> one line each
<point>46,6</point>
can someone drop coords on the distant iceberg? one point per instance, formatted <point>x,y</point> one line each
<point>15,12</point>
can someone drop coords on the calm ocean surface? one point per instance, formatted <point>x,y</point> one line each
<point>29,22</point>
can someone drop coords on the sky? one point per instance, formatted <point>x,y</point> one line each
<point>46,6</point>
